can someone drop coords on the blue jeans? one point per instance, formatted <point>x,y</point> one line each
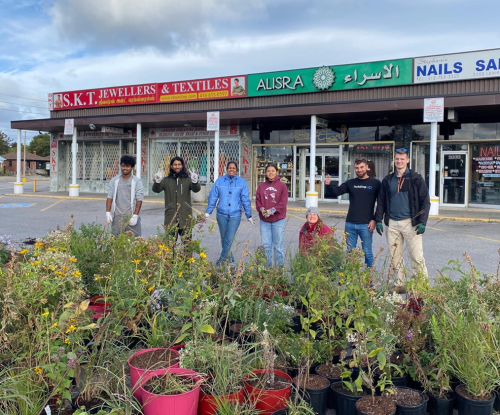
<point>228,225</point>
<point>354,230</point>
<point>272,235</point>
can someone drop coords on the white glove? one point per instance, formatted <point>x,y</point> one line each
<point>133,220</point>
<point>250,219</point>
<point>194,177</point>
<point>207,215</point>
<point>158,176</point>
<point>109,218</point>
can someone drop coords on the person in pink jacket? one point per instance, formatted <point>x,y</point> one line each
<point>313,230</point>
<point>271,200</point>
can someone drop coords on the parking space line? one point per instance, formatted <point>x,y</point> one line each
<point>53,204</point>
<point>480,237</point>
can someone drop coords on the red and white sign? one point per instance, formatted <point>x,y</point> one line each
<point>50,101</point>
<point>434,110</point>
<point>105,97</point>
<point>53,156</point>
<point>225,130</point>
<point>213,121</point>
<point>69,126</point>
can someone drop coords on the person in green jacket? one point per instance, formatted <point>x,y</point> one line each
<point>177,187</point>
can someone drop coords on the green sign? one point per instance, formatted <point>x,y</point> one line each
<point>331,78</point>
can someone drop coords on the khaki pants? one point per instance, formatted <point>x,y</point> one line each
<point>399,232</point>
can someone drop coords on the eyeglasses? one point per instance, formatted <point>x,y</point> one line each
<point>401,150</point>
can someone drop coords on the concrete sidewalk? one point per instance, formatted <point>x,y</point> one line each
<point>335,209</point>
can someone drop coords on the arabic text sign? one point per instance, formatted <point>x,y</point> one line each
<point>213,121</point>
<point>455,67</point>
<point>433,109</point>
<point>331,78</point>
<point>202,89</point>
<point>69,126</point>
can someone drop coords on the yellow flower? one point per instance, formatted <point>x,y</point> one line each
<point>209,273</point>
<point>180,274</point>
<point>136,261</point>
<point>138,271</point>
<point>144,281</point>
<point>108,277</point>
<point>39,244</point>
<point>72,259</point>
<point>62,249</point>
<point>249,277</point>
<point>36,263</point>
<point>54,325</point>
<point>45,314</point>
<point>191,260</point>
<point>51,249</point>
<point>158,253</point>
<point>251,268</point>
<point>72,320</point>
<point>67,341</point>
<point>38,370</point>
<point>341,281</point>
<point>70,329</point>
<point>24,251</point>
<point>97,278</point>
<point>203,255</point>
<point>163,247</point>
<point>77,274</point>
<point>191,293</point>
<point>151,288</point>
<point>64,268</point>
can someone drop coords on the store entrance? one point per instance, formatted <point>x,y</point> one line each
<point>454,178</point>
<point>327,163</point>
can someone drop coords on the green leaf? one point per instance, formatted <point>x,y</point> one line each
<point>186,326</point>
<point>181,338</point>
<point>375,352</point>
<point>304,301</point>
<point>71,355</point>
<point>381,360</point>
<point>338,320</point>
<point>207,328</point>
<point>313,333</point>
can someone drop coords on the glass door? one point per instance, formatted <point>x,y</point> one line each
<point>317,177</point>
<point>454,178</point>
<point>327,164</point>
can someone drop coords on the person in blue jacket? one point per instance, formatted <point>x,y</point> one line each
<point>231,193</point>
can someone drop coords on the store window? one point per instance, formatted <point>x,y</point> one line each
<point>485,178</point>
<point>282,156</point>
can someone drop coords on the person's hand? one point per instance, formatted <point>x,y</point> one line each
<point>272,211</point>
<point>133,220</point>
<point>328,180</point>
<point>194,177</point>
<point>420,228</point>
<point>263,211</point>
<point>380,228</point>
<point>158,177</point>
<point>109,218</point>
<point>371,225</point>
<point>250,219</point>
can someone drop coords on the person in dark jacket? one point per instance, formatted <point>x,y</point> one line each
<point>271,200</point>
<point>230,194</point>
<point>403,204</point>
<point>177,187</point>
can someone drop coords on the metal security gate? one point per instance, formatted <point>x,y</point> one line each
<point>228,150</point>
<point>95,160</point>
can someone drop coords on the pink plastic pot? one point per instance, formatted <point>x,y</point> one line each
<point>209,404</point>
<point>184,403</point>
<point>137,375</point>
<point>99,300</point>
<point>268,401</point>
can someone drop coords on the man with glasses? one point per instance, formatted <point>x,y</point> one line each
<point>403,204</point>
<point>363,191</point>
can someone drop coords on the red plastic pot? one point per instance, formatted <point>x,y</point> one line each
<point>138,375</point>
<point>184,403</point>
<point>209,404</point>
<point>268,401</point>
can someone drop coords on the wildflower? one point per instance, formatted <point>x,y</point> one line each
<point>144,281</point>
<point>341,281</point>
<point>409,335</point>
<point>191,293</point>
<point>54,325</point>
<point>249,277</point>
<point>39,244</point>
<point>251,268</point>
<point>138,271</point>
<point>77,274</point>
<point>38,370</point>
<point>108,277</point>
<point>51,249</point>
<point>163,247</point>
<point>136,261</point>
<point>24,251</point>
<point>36,263</point>
<point>65,268</point>
<point>97,278</point>
<point>151,288</point>
<point>203,255</point>
<point>72,320</point>
<point>45,314</point>
<point>209,273</point>
<point>180,274</point>
<point>70,329</point>
<point>72,259</point>
<point>62,249</point>
<point>158,253</point>
<point>191,260</point>
<point>67,341</point>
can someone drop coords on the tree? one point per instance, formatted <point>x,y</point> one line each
<point>40,144</point>
<point>5,143</point>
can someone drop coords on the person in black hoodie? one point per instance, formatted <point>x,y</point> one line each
<point>403,204</point>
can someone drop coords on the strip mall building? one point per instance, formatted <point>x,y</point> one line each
<point>368,110</point>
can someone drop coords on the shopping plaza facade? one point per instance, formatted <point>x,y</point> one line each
<point>366,110</point>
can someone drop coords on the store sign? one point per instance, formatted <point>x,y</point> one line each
<point>203,89</point>
<point>456,67</point>
<point>321,122</point>
<point>225,130</point>
<point>98,135</point>
<point>53,156</point>
<point>486,161</point>
<point>434,110</point>
<point>69,126</point>
<point>50,101</point>
<point>213,121</point>
<point>113,130</point>
<point>331,78</point>
<point>374,148</point>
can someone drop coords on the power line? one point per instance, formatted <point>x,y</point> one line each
<point>6,109</point>
<point>23,105</point>
<point>17,96</point>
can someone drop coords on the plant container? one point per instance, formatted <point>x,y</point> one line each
<point>138,375</point>
<point>317,398</point>
<point>389,410</point>
<point>420,409</point>
<point>467,406</point>
<point>183,403</point>
<point>281,412</point>
<point>345,403</point>
<point>441,406</point>
<point>209,404</point>
<point>330,403</point>
<point>268,401</point>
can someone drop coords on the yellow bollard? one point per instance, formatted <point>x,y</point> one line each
<point>34,186</point>
<point>24,180</point>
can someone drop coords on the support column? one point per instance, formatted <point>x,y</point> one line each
<point>18,185</point>
<point>432,171</point>
<point>74,189</point>
<point>312,195</point>
<point>216,156</point>
<point>139,151</point>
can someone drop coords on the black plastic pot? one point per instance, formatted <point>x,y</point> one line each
<point>344,404</point>
<point>281,412</point>
<point>317,398</point>
<point>420,409</point>
<point>441,406</point>
<point>468,406</point>
<point>330,403</point>
<point>496,405</point>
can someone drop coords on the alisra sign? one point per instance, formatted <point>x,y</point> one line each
<point>331,78</point>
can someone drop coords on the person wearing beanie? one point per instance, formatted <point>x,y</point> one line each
<point>313,230</point>
<point>230,194</point>
<point>177,186</point>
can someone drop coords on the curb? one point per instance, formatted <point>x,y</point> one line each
<point>302,210</point>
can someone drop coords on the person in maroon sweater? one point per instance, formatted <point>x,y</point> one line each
<point>271,200</point>
<point>313,230</point>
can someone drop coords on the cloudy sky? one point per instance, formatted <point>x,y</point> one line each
<point>62,45</point>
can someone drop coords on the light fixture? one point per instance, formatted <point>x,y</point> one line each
<point>92,126</point>
<point>187,125</point>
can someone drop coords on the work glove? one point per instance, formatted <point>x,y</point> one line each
<point>194,177</point>
<point>158,176</point>
<point>250,219</point>
<point>380,228</point>
<point>420,228</point>
<point>109,218</point>
<point>272,211</point>
<point>207,215</point>
<point>264,213</point>
<point>133,220</point>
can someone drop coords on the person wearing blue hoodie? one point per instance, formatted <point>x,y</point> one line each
<point>230,194</point>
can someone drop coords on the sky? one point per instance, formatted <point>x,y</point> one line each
<point>63,45</point>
